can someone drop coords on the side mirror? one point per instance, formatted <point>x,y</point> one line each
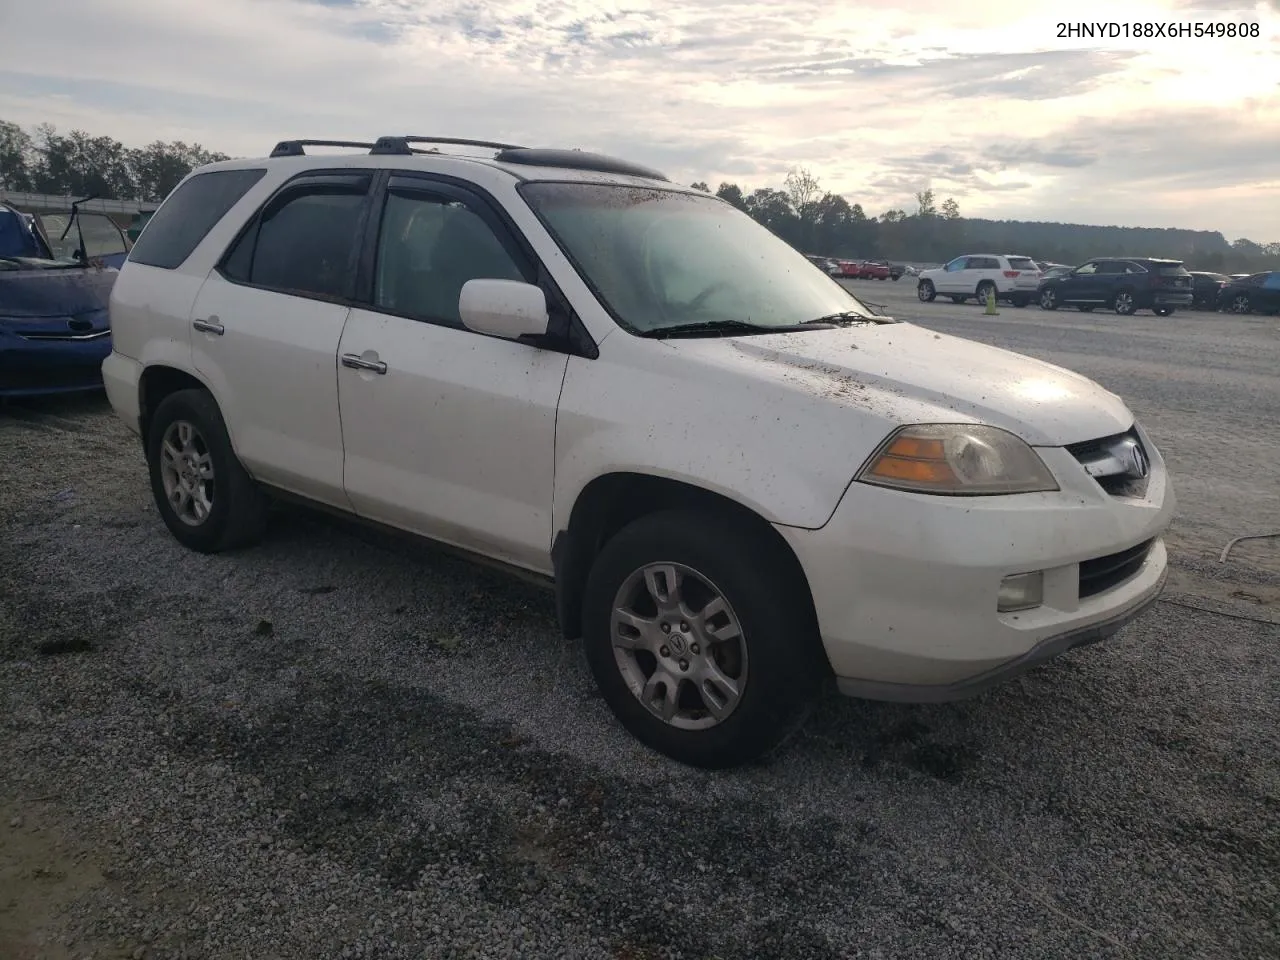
<point>509,309</point>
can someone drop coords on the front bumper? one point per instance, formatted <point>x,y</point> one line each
<point>33,367</point>
<point>906,586</point>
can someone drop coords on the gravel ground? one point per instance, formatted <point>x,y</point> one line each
<point>338,745</point>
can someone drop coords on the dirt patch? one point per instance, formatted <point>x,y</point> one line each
<point>42,871</point>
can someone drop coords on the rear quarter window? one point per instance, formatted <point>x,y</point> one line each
<point>1022,263</point>
<point>1171,270</point>
<point>187,216</point>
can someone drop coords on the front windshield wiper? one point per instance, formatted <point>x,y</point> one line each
<point>844,317</point>
<point>724,327</point>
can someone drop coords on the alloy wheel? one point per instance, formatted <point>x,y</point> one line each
<point>186,470</point>
<point>679,646</point>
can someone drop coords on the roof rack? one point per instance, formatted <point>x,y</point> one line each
<point>506,153</point>
<point>293,148</point>
<point>400,145</point>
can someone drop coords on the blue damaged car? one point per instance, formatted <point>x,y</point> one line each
<point>54,329</point>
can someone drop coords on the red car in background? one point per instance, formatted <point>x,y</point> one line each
<point>847,269</point>
<point>874,270</point>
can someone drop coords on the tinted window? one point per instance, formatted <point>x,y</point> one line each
<point>1087,269</point>
<point>1272,281</point>
<point>1171,270</point>
<point>187,216</point>
<point>1022,263</point>
<point>304,242</point>
<point>428,247</point>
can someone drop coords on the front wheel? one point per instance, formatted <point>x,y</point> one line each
<point>204,495</point>
<point>1240,304</point>
<point>1048,299</point>
<point>925,291</point>
<point>702,638</point>
<point>1124,304</point>
<point>984,292</point>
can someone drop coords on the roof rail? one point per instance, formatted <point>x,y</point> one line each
<point>293,148</point>
<point>400,145</point>
<point>578,160</point>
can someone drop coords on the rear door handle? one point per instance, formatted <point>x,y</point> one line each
<point>209,326</point>
<point>357,362</point>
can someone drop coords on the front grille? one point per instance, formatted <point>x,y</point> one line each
<point>1103,573</point>
<point>1109,460</point>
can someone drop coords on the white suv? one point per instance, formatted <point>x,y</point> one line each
<point>976,276</point>
<point>740,482</point>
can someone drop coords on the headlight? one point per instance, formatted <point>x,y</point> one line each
<point>957,459</point>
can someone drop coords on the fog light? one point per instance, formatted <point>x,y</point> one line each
<point>1022,591</point>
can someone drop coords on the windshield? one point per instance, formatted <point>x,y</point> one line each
<point>659,258</point>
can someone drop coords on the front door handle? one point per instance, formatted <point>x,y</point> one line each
<point>209,326</point>
<point>357,362</point>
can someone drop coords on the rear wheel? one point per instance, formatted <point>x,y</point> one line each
<point>701,637</point>
<point>1124,304</point>
<point>925,291</point>
<point>985,291</point>
<point>204,495</point>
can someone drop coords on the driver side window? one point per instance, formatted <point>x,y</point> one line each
<point>956,265</point>
<point>1087,270</point>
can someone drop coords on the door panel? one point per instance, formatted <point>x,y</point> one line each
<point>266,326</point>
<point>456,439</point>
<point>272,373</point>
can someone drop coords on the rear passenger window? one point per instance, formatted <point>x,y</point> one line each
<point>429,246</point>
<point>187,216</point>
<point>304,242</point>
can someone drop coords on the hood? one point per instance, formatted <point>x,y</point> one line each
<point>54,292</point>
<point>908,374</point>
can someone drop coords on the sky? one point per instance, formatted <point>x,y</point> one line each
<point>983,102</point>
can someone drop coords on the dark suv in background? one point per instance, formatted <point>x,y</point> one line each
<point>1122,284</point>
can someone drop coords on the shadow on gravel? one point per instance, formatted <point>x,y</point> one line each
<point>423,793</point>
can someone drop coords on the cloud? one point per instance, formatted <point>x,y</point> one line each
<point>986,105</point>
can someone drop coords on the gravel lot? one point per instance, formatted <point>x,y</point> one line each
<point>337,745</point>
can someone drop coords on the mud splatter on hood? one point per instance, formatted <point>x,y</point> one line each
<point>906,372</point>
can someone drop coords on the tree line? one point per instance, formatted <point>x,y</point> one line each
<point>810,218</point>
<point>77,164</point>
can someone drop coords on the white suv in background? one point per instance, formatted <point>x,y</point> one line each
<point>740,483</point>
<point>975,276</point>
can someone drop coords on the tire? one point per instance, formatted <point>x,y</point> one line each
<point>1240,304</point>
<point>1124,304</point>
<point>777,648</point>
<point>925,291</point>
<point>1048,299</point>
<point>230,510</point>
<point>984,289</point>
<point>1163,311</point>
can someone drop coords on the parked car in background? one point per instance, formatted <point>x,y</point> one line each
<point>54,330</point>
<point>1124,285</point>
<point>874,270</point>
<point>1206,289</point>
<point>848,269</point>
<point>975,276</point>
<point>825,264</point>
<point>81,235</point>
<point>1255,293</point>
<point>897,271</point>
<point>638,395</point>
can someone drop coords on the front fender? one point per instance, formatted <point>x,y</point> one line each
<point>785,452</point>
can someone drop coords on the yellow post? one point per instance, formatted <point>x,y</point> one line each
<point>991,303</point>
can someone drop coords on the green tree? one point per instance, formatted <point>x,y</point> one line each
<point>950,209</point>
